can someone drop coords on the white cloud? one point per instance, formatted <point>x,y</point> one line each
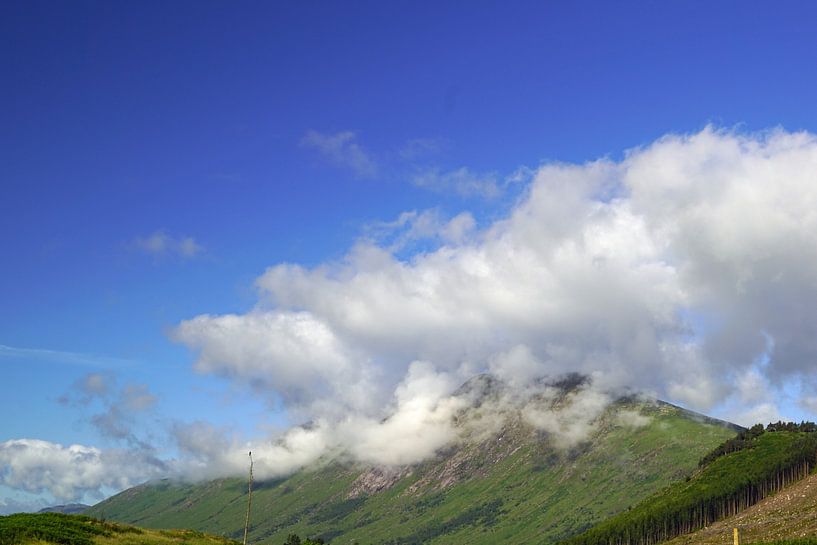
<point>632,419</point>
<point>760,413</point>
<point>423,418</point>
<point>71,472</point>
<point>596,270</point>
<point>342,150</point>
<point>569,421</point>
<point>459,228</point>
<point>162,244</point>
<point>573,282</point>
<point>517,366</point>
<point>421,423</point>
<point>809,403</point>
<point>293,355</point>
<point>752,387</point>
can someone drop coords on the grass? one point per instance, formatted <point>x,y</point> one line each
<point>61,529</point>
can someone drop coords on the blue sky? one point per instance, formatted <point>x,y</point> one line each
<point>156,159</point>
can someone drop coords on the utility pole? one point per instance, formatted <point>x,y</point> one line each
<point>249,504</point>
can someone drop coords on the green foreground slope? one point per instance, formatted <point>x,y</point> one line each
<point>63,529</point>
<point>514,487</point>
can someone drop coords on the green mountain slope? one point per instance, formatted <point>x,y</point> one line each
<point>789,514</point>
<point>512,487</point>
<point>749,470</point>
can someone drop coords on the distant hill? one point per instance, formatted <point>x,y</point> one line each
<point>69,509</point>
<point>514,486</point>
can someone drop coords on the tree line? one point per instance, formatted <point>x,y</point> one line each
<point>745,438</point>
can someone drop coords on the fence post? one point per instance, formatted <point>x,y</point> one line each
<point>249,504</point>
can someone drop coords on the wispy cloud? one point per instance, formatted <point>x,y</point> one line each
<point>62,356</point>
<point>411,162</point>
<point>118,419</point>
<point>419,148</point>
<point>161,244</point>
<point>425,225</point>
<point>342,150</point>
<point>462,181</point>
<point>468,183</point>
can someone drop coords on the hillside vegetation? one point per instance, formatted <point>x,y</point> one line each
<point>789,514</point>
<point>736,475</point>
<point>62,529</point>
<point>515,486</point>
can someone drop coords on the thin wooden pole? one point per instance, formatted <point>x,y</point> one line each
<point>736,536</point>
<point>249,504</point>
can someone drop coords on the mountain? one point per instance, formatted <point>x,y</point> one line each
<point>513,485</point>
<point>69,509</point>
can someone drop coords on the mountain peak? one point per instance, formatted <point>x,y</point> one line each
<point>512,483</point>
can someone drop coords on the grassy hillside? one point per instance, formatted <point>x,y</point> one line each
<point>62,529</point>
<point>760,465</point>
<point>514,487</point>
<point>789,514</point>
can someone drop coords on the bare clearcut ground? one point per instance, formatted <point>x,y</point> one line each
<point>789,514</point>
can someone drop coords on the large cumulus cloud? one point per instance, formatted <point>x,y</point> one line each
<point>687,269</point>
<point>681,269</point>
